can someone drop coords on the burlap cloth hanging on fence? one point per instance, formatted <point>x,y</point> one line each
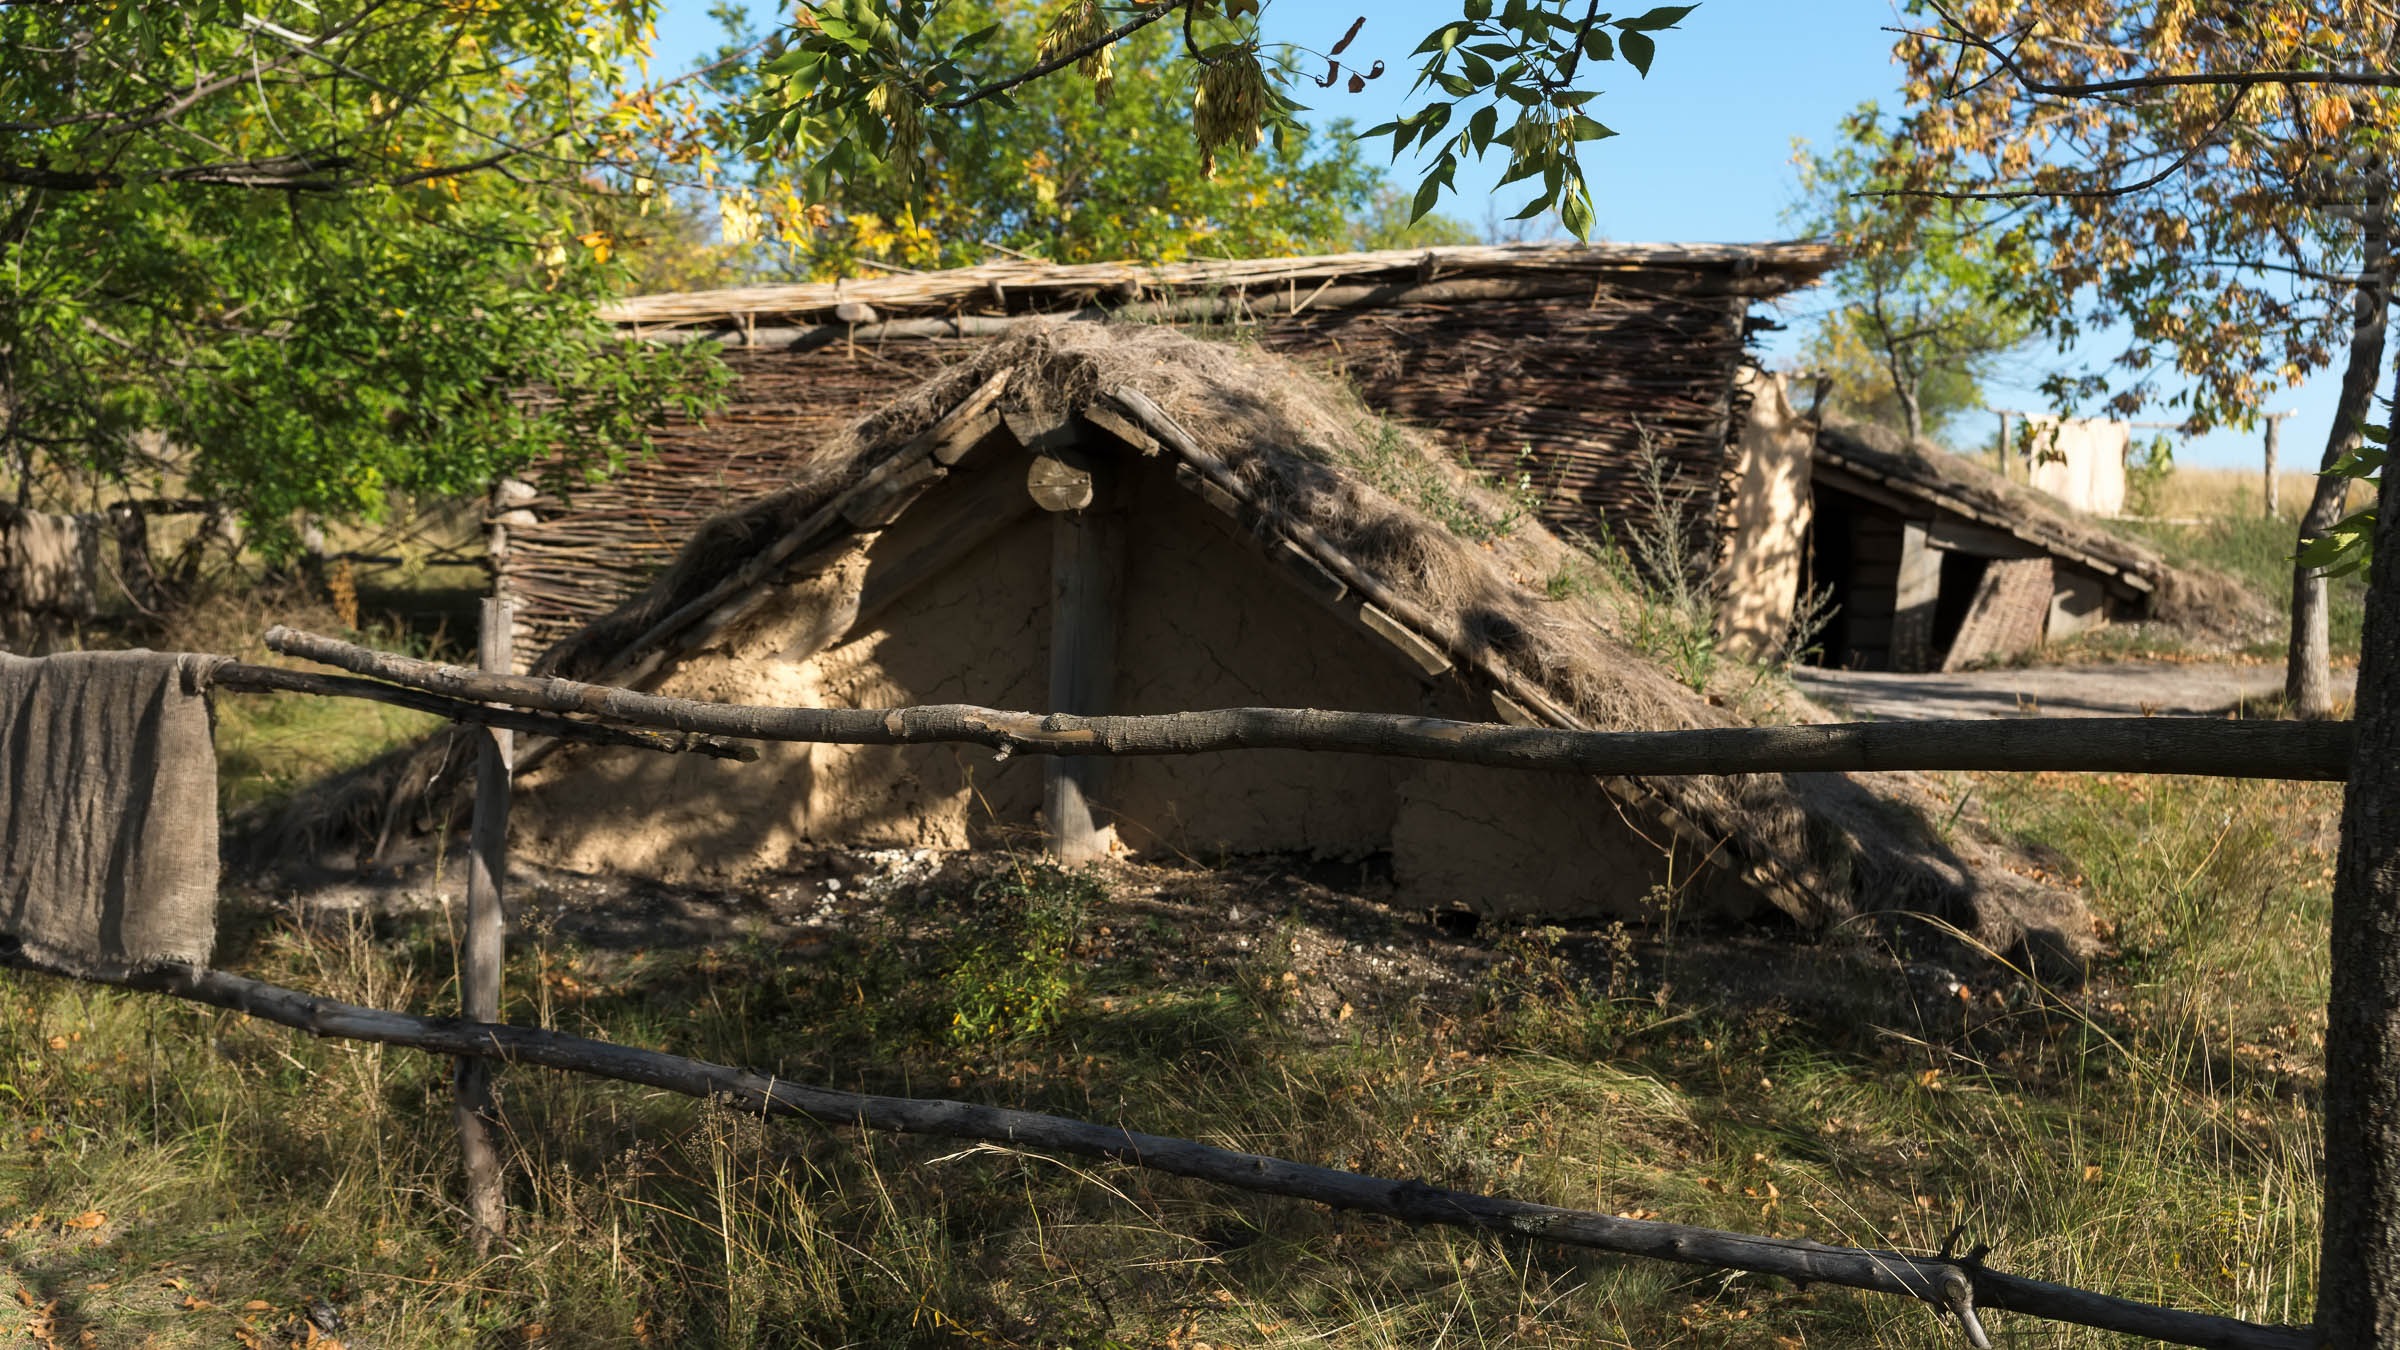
<point>108,809</point>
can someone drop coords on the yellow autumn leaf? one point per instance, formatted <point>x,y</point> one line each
<point>738,217</point>
<point>90,1218</point>
<point>2329,116</point>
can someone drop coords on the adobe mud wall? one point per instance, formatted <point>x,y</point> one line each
<point>1205,624</point>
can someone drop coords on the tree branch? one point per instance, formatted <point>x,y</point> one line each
<point>274,679</point>
<point>2225,114</point>
<point>1141,19</point>
<point>2092,88</point>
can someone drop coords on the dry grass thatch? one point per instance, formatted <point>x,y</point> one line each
<point>1030,285</point>
<point>1471,566</point>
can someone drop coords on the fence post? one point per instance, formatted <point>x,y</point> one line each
<point>487,871</point>
<point>2274,420</point>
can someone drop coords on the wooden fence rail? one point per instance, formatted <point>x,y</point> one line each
<point>1960,1285</point>
<point>2227,749</point>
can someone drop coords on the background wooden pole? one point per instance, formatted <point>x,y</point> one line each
<point>2274,424</point>
<point>485,949</point>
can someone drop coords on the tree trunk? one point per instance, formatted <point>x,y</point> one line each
<point>135,570</point>
<point>2308,671</point>
<point>2358,1288</point>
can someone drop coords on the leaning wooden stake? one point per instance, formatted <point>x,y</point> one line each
<point>1947,1282</point>
<point>485,949</point>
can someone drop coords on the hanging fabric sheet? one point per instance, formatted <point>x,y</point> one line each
<point>108,809</point>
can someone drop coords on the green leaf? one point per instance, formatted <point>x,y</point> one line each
<point>1519,171</point>
<point>1478,9</point>
<point>1597,46</point>
<point>1429,192</point>
<point>1444,38</point>
<point>1533,208</point>
<point>1585,129</point>
<point>1575,212</point>
<point>1481,126</point>
<point>1638,51</point>
<point>1665,16</point>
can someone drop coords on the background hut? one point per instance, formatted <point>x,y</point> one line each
<point>1936,563</point>
<point>1567,373</point>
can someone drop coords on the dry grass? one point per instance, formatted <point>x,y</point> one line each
<point>2150,1134</point>
<point>2194,494</point>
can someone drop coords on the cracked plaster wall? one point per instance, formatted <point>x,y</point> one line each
<point>1203,623</point>
<point>975,633</point>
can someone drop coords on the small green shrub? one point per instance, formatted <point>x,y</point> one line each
<point>1011,974</point>
<point>2147,476</point>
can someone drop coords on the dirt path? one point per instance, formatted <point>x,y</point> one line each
<point>2126,689</point>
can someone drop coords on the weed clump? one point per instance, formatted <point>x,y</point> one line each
<point>1011,974</point>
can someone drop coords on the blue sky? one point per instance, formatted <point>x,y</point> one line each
<point>1704,145</point>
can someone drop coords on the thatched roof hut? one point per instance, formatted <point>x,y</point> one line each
<point>1935,562</point>
<point>1557,368</point>
<point>1118,518</point>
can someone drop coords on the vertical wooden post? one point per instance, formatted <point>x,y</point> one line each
<point>1086,550</point>
<point>487,871</point>
<point>2274,422</point>
<point>1917,589</point>
<point>2004,446</point>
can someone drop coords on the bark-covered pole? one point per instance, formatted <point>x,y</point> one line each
<point>2358,1289</point>
<point>2308,668</point>
<point>2226,749</point>
<point>485,946</point>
